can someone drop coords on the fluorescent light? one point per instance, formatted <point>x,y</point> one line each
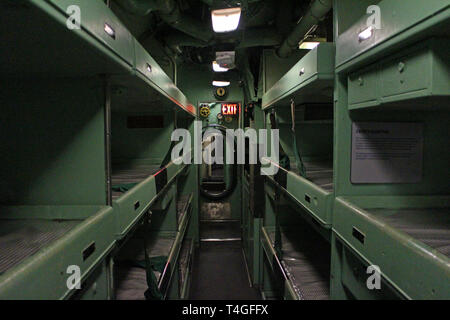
<point>218,68</point>
<point>309,45</point>
<point>225,20</point>
<point>365,34</point>
<point>221,83</point>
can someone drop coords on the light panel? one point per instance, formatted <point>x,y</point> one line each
<point>309,45</point>
<point>216,83</point>
<point>225,20</point>
<point>218,68</point>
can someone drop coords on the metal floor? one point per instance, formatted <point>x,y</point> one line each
<point>219,271</point>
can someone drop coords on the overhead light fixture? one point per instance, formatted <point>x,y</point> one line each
<point>218,68</point>
<point>225,20</point>
<point>365,34</point>
<point>216,83</point>
<point>310,43</point>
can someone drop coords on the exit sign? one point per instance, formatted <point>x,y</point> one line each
<point>230,109</point>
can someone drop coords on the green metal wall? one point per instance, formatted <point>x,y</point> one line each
<point>52,142</point>
<point>143,145</point>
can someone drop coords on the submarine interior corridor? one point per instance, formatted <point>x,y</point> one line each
<point>224,150</point>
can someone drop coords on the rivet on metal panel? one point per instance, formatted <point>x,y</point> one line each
<point>401,67</point>
<point>302,72</point>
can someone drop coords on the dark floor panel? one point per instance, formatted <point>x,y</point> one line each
<point>219,273</point>
<point>220,230</point>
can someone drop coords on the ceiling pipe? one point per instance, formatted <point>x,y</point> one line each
<point>316,12</point>
<point>170,13</point>
<point>176,40</point>
<point>256,37</point>
<point>212,3</point>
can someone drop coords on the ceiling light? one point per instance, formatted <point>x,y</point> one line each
<point>221,83</point>
<point>225,20</point>
<point>309,43</point>
<point>365,34</point>
<point>218,68</point>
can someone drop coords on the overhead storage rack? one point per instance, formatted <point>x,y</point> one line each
<point>392,205</point>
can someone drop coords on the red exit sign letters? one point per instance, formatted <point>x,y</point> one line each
<point>230,109</point>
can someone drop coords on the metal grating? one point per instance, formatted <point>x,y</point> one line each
<point>306,261</point>
<point>428,225</point>
<point>20,239</point>
<point>133,174</point>
<point>318,172</point>
<point>131,280</point>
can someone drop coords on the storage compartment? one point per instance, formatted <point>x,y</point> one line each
<point>400,25</point>
<point>363,87</point>
<point>416,73</point>
<point>420,73</point>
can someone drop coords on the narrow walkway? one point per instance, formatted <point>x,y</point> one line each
<point>219,271</point>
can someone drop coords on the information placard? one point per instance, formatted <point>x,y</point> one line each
<point>387,152</point>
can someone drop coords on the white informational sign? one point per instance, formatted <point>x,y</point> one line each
<point>387,152</point>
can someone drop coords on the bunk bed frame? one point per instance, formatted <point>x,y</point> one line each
<point>47,235</point>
